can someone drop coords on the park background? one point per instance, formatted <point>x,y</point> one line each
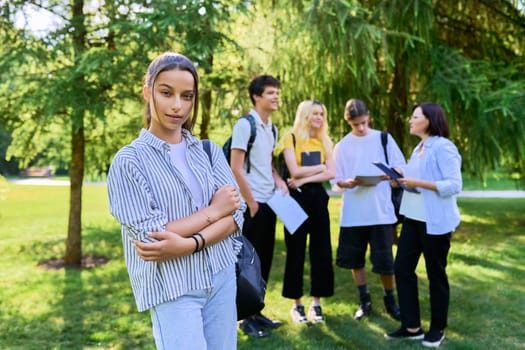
<point>70,96</point>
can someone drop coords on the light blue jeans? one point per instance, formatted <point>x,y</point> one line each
<point>204,319</point>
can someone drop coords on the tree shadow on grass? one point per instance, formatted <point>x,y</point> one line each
<point>506,266</point>
<point>494,219</point>
<point>87,307</point>
<point>340,331</point>
<point>73,296</point>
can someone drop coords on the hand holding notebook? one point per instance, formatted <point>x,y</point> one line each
<point>394,175</point>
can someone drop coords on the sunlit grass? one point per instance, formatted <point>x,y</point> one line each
<point>496,180</point>
<point>94,308</point>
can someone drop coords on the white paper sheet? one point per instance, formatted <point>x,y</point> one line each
<point>288,210</point>
<point>369,180</point>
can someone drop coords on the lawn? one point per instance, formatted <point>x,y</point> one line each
<point>496,180</point>
<point>94,308</point>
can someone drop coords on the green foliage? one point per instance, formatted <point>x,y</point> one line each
<point>484,106</point>
<point>467,56</point>
<point>94,308</point>
<point>49,81</point>
<point>393,54</point>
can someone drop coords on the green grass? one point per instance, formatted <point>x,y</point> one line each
<point>496,181</point>
<point>94,308</point>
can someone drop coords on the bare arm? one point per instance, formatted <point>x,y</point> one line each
<point>410,182</point>
<point>179,238</point>
<point>298,171</point>
<point>449,161</point>
<point>237,165</point>
<point>325,175</point>
<point>348,183</point>
<point>279,182</point>
<point>224,202</point>
<point>172,245</point>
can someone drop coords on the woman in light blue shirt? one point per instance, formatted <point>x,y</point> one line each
<point>434,169</point>
<point>178,209</point>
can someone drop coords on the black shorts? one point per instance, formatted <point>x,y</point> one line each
<point>353,242</point>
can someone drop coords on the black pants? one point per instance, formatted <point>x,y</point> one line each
<point>413,242</point>
<point>314,201</point>
<point>260,230</point>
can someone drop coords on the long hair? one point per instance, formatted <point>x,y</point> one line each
<point>301,125</point>
<point>165,62</point>
<point>437,120</point>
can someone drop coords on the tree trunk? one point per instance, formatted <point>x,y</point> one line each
<point>206,110</point>
<point>398,106</point>
<point>205,98</point>
<point>73,255</point>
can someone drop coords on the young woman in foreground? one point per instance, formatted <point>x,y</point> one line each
<point>178,211</point>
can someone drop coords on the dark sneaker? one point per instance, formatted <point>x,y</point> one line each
<point>315,314</point>
<point>252,328</point>
<point>364,310</point>
<point>266,322</point>
<point>298,315</point>
<point>403,333</point>
<point>433,338</point>
<point>392,308</point>
<point>365,307</point>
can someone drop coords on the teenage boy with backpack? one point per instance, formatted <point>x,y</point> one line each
<point>257,184</point>
<point>367,212</point>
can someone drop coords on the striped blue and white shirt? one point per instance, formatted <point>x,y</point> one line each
<point>146,191</point>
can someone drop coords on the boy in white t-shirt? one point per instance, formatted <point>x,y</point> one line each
<point>367,213</point>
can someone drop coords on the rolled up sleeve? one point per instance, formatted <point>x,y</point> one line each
<point>130,199</point>
<point>223,176</point>
<point>449,164</point>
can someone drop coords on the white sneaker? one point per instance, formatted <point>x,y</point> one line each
<point>433,338</point>
<point>298,315</point>
<point>315,314</point>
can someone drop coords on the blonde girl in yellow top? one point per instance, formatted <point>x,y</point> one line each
<point>308,156</point>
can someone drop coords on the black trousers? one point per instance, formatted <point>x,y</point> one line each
<point>314,201</point>
<point>413,242</point>
<point>260,231</point>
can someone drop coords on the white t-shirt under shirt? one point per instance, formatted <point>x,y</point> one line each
<point>178,156</point>
<point>412,205</point>
<point>365,205</point>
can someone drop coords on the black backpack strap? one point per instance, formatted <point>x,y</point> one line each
<point>384,141</point>
<point>207,149</point>
<point>274,132</point>
<point>251,140</point>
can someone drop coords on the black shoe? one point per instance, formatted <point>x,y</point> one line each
<point>365,307</point>
<point>252,328</point>
<point>403,333</point>
<point>392,308</point>
<point>266,322</point>
<point>433,338</point>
